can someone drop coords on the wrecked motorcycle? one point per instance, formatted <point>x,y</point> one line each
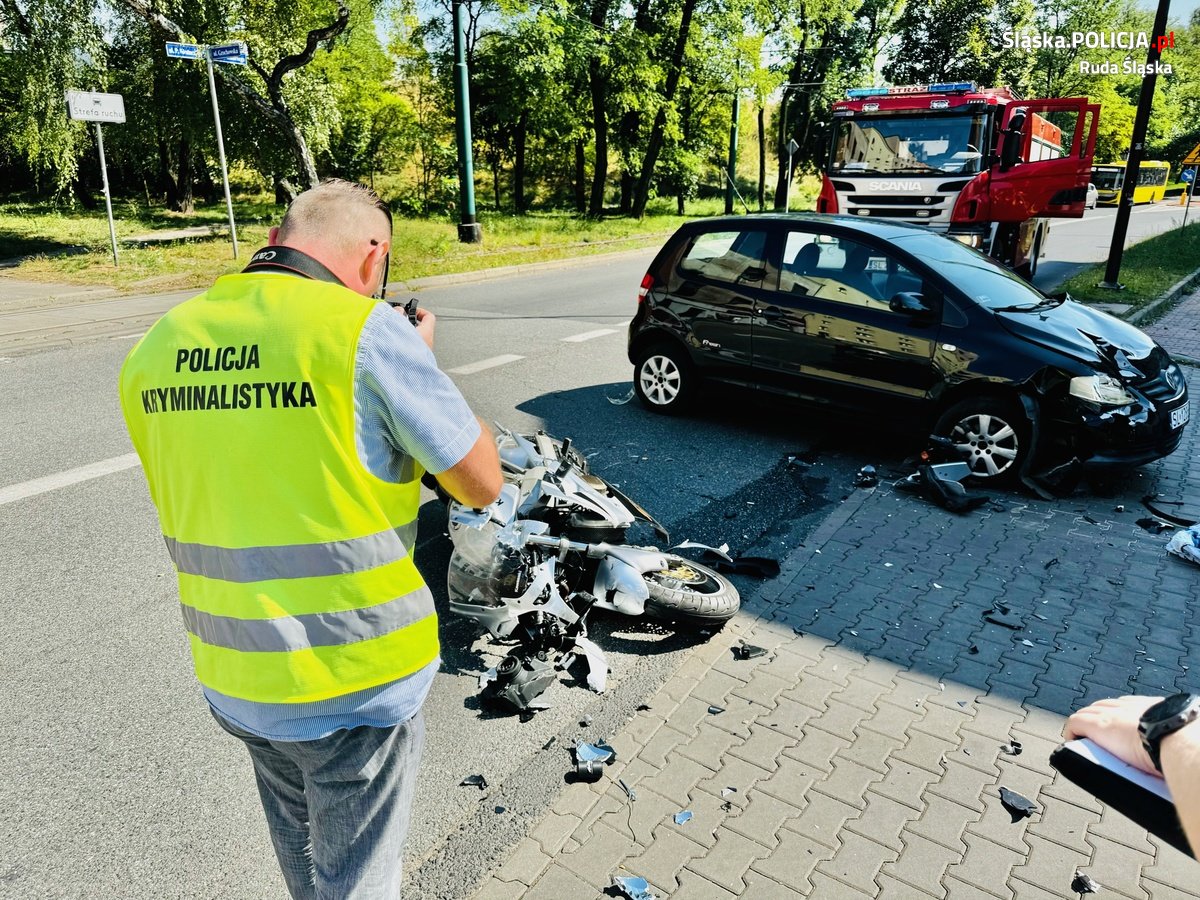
<point>533,565</point>
<point>558,529</point>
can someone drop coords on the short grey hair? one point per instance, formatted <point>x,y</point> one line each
<point>341,215</point>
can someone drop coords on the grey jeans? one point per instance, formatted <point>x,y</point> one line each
<point>338,808</point>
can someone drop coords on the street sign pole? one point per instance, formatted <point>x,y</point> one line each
<point>212,88</point>
<point>1189,191</point>
<point>792,147</point>
<point>90,106</point>
<point>112,229</point>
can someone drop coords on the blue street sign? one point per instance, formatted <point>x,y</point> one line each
<point>230,53</point>
<point>1187,175</point>
<point>184,51</point>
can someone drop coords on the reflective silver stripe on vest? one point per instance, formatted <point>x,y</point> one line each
<point>246,564</point>
<point>288,633</point>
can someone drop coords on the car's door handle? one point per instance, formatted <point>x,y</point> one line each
<point>770,313</point>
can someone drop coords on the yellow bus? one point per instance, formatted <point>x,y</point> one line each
<point>1151,182</point>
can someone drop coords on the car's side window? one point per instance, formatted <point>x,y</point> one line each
<point>733,256</point>
<point>842,270</point>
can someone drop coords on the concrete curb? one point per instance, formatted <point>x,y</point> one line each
<point>1172,294</point>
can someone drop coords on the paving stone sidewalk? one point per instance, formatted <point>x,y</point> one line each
<point>1179,329</point>
<point>865,749</point>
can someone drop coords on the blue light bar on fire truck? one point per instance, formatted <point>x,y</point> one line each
<point>949,87</point>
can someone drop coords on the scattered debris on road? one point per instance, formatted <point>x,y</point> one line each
<point>1083,884</point>
<point>1155,526</point>
<point>714,710</point>
<point>999,615</point>
<point>621,401</point>
<point>1012,748</point>
<point>866,477</point>
<point>1018,807</point>
<point>474,781</point>
<point>683,816</point>
<point>634,887</point>
<point>748,651</point>
<point>941,483</point>
<point>1186,544</point>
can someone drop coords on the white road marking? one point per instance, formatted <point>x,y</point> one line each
<point>117,337</point>
<point>588,335</point>
<point>472,368</point>
<point>15,492</point>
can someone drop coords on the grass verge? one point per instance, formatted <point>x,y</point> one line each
<point>72,246</point>
<point>1148,269</point>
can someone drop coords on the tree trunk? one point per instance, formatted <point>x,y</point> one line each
<point>598,83</point>
<point>185,198</point>
<point>496,180</point>
<point>284,192</point>
<point>762,158</point>
<point>580,177</point>
<point>654,146</point>
<point>519,163</point>
<point>679,201</point>
<point>600,130</point>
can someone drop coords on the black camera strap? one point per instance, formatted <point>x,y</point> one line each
<point>292,262</point>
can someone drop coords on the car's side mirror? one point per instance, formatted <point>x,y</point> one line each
<point>1011,151</point>
<point>911,303</point>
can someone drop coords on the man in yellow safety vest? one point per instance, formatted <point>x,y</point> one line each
<point>284,419</point>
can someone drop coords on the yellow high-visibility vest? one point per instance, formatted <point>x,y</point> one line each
<point>295,569</point>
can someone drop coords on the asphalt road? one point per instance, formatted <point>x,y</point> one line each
<point>1074,243</point>
<point>117,783</point>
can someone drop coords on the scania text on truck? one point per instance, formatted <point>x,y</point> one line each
<point>980,165</point>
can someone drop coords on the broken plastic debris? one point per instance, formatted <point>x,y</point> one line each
<point>748,651</point>
<point>634,887</point>
<point>499,809</point>
<point>866,477</point>
<point>621,401</point>
<point>726,791</point>
<point>1155,526</point>
<point>683,816</point>
<point>1186,544</point>
<point>1012,748</point>
<point>627,789</point>
<point>1082,884</point>
<point>722,551</point>
<point>974,649</point>
<point>585,752</point>
<point>1018,807</point>
<point>1053,562</point>
<point>474,781</point>
<point>486,678</point>
<point>644,707</point>
<point>714,710</point>
<point>585,721</point>
<point>1027,643</point>
<point>936,585</point>
<point>1000,617</point>
<point>1120,507</point>
<point>597,676</point>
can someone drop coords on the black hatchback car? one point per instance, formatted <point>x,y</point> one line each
<point>894,320</point>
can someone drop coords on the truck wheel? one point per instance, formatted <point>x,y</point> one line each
<point>664,378</point>
<point>691,594</point>
<point>992,435</point>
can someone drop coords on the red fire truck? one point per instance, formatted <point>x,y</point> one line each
<point>981,165</point>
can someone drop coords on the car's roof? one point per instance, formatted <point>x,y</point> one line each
<point>874,227</point>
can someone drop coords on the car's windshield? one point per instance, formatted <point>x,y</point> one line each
<point>979,277</point>
<point>1107,178</point>
<point>924,143</point>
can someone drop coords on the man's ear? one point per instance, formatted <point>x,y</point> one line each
<point>273,236</point>
<point>371,268</point>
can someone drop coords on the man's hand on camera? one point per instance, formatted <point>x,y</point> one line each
<point>426,322</point>
<point>1113,724</point>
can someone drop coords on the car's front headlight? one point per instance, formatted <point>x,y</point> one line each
<point>970,238</point>
<point>1102,389</point>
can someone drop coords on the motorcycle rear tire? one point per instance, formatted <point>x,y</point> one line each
<point>707,600</point>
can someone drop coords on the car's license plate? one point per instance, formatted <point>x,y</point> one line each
<point>1179,417</point>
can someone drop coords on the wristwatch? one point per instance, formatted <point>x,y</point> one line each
<point>1164,718</point>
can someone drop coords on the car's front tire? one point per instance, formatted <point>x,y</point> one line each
<point>991,433</point>
<point>664,378</point>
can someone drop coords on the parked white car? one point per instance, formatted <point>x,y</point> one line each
<point>1091,197</point>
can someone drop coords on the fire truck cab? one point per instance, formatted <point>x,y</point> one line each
<point>980,165</point>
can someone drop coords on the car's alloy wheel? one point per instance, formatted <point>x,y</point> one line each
<point>990,436</point>
<point>663,379</point>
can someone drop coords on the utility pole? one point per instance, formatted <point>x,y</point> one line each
<point>1136,151</point>
<point>733,152</point>
<point>469,231</point>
